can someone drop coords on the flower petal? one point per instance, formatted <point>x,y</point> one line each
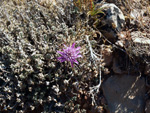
<point>73,45</point>
<point>60,52</point>
<point>61,59</point>
<point>65,46</point>
<point>70,54</point>
<point>76,61</point>
<point>78,48</point>
<point>71,64</point>
<point>79,56</point>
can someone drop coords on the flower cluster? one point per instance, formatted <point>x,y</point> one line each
<point>70,54</point>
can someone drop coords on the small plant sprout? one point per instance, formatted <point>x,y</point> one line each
<point>70,54</point>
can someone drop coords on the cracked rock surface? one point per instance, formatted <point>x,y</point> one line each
<point>125,93</point>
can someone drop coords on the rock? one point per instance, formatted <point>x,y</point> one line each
<point>115,67</point>
<point>140,47</point>
<point>119,65</point>
<point>147,108</point>
<point>124,94</point>
<point>140,38</point>
<point>114,16</point>
<point>107,55</point>
<point>113,22</point>
<point>148,81</point>
<point>147,70</point>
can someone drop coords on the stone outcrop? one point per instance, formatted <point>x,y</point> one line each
<point>125,93</point>
<point>147,108</point>
<point>113,22</point>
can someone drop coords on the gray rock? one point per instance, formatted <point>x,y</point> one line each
<point>147,107</point>
<point>121,66</point>
<point>140,38</point>
<point>140,47</point>
<point>124,94</point>
<point>116,67</point>
<point>107,55</point>
<point>114,20</point>
<point>147,69</point>
<point>114,16</point>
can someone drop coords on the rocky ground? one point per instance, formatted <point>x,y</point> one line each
<point>113,75</point>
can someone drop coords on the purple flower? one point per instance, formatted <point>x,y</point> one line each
<point>70,54</point>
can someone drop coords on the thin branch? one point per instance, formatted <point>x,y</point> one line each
<point>94,57</point>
